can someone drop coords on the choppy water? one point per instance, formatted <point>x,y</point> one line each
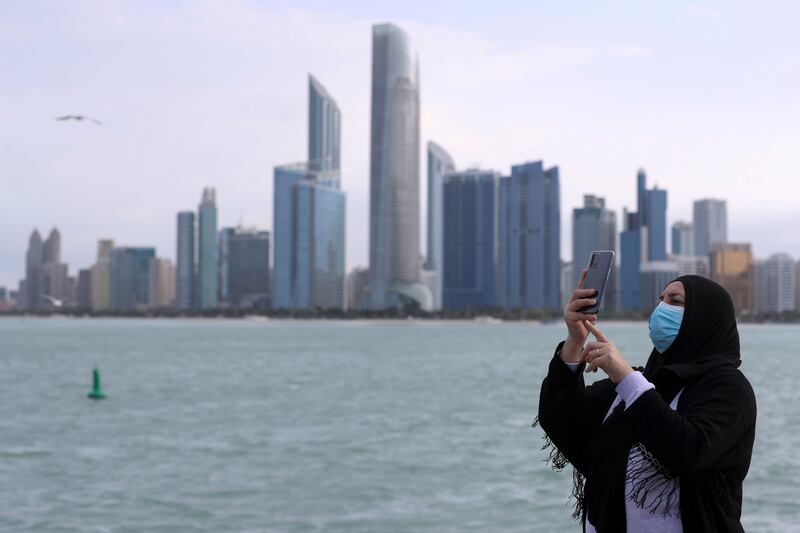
<point>319,426</point>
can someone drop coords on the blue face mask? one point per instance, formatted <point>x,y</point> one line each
<point>665,322</point>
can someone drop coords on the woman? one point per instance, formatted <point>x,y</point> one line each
<point>660,449</point>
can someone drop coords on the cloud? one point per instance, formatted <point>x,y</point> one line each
<point>211,93</point>
<point>629,51</point>
<point>704,11</point>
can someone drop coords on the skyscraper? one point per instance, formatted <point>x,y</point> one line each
<point>34,260</point>
<point>244,267</point>
<point>394,252</point>
<point>357,284</point>
<point>185,284</point>
<point>683,238</point>
<point>130,277</point>
<point>643,239</point>
<point>774,284</point>
<point>530,238</point>
<point>469,239</point>
<point>732,267</point>
<point>439,164</point>
<point>653,277</point>
<point>161,283</point>
<point>207,246</point>
<point>656,223</point>
<point>309,240</point>
<point>52,247</point>
<point>324,129</point>
<point>593,228</point>
<point>101,276</point>
<point>797,286</point>
<point>309,216</point>
<point>83,297</point>
<point>710,225</point>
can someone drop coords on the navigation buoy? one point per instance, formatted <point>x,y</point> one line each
<point>97,391</point>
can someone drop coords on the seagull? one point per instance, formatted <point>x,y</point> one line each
<point>55,302</point>
<point>79,118</point>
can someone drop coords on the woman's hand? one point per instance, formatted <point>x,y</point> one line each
<point>604,355</point>
<point>576,331</point>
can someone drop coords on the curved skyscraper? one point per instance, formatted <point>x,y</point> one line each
<point>310,215</point>
<point>324,129</point>
<point>439,164</point>
<point>394,252</point>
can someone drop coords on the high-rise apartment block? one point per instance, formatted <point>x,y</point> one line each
<point>244,267</point>
<point>774,284</point>
<point>732,267</point>
<point>130,278</point>
<point>161,283</point>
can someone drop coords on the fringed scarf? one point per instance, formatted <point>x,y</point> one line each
<point>708,338</point>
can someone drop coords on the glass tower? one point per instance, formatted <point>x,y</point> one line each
<point>439,164</point>
<point>130,277</point>
<point>643,239</point>
<point>530,238</point>
<point>394,252</point>
<point>244,267</point>
<point>710,225</point>
<point>207,265</point>
<point>324,129</point>
<point>185,269</point>
<point>593,228</point>
<point>309,215</point>
<point>470,239</point>
<point>309,239</point>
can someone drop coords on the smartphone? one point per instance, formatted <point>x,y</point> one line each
<point>597,272</point>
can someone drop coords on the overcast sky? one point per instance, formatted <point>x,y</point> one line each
<point>214,93</point>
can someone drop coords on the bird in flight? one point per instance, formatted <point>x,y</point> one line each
<point>79,118</point>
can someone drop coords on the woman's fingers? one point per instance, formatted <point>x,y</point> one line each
<point>599,335</point>
<point>589,353</point>
<point>596,363</point>
<point>580,303</point>
<point>581,293</point>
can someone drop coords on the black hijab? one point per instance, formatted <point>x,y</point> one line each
<point>707,338</point>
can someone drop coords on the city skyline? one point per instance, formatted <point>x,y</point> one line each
<point>127,158</point>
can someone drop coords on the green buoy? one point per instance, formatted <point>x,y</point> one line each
<point>97,391</point>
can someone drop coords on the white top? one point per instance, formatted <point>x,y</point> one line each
<point>639,519</point>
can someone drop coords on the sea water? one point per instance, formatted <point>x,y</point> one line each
<point>273,425</point>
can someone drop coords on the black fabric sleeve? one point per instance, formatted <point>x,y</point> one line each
<point>721,409</point>
<point>568,410</point>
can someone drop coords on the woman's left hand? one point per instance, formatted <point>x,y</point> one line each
<point>604,355</point>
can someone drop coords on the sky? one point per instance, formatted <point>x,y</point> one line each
<point>703,96</point>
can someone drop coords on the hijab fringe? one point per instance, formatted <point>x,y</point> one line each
<point>652,486</point>
<point>558,461</point>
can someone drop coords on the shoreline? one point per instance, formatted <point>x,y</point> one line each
<point>354,320</point>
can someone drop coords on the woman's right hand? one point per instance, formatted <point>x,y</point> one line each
<point>576,330</point>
